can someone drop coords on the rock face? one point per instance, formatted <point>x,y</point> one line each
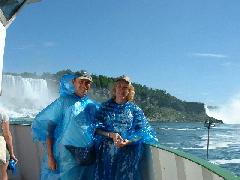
<point>167,108</point>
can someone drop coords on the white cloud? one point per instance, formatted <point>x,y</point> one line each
<point>24,47</point>
<point>226,64</point>
<point>209,55</point>
<point>204,93</point>
<point>49,44</point>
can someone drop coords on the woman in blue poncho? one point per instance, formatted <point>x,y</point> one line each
<point>123,128</point>
<point>65,127</point>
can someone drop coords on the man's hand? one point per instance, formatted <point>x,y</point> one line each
<point>52,165</point>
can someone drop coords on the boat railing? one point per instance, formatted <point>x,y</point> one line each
<point>158,163</point>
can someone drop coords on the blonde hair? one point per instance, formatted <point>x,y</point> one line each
<point>131,91</point>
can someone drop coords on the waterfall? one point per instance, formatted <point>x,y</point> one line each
<point>228,112</point>
<point>24,97</point>
<point>2,44</point>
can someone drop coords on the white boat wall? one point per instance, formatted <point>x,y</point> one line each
<point>29,154</point>
<point>162,163</point>
<point>158,163</point>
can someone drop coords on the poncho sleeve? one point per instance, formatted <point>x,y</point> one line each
<point>45,122</point>
<point>141,130</point>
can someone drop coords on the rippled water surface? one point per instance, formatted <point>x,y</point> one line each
<point>224,146</point>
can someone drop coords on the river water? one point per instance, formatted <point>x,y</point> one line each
<point>224,146</point>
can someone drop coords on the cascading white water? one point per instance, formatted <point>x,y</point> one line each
<point>24,97</point>
<point>2,44</point>
<point>229,112</point>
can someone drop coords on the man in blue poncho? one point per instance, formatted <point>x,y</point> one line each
<point>66,128</point>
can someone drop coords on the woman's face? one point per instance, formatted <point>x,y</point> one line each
<point>122,90</point>
<point>81,86</point>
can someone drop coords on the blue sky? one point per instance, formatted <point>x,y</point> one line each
<point>190,48</point>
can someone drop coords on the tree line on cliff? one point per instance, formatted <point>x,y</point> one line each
<point>158,105</point>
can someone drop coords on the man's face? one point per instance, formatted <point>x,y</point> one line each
<point>81,86</point>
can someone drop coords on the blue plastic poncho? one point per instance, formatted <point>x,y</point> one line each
<point>69,120</point>
<point>129,121</point>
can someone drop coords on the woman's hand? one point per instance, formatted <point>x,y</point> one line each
<point>124,143</point>
<point>52,165</point>
<point>117,138</point>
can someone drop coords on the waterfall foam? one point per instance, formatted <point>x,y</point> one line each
<point>24,97</point>
<point>229,112</point>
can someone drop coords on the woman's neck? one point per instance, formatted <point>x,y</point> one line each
<point>120,100</point>
<point>80,95</point>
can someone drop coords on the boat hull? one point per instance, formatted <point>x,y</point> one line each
<point>158,163</point>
